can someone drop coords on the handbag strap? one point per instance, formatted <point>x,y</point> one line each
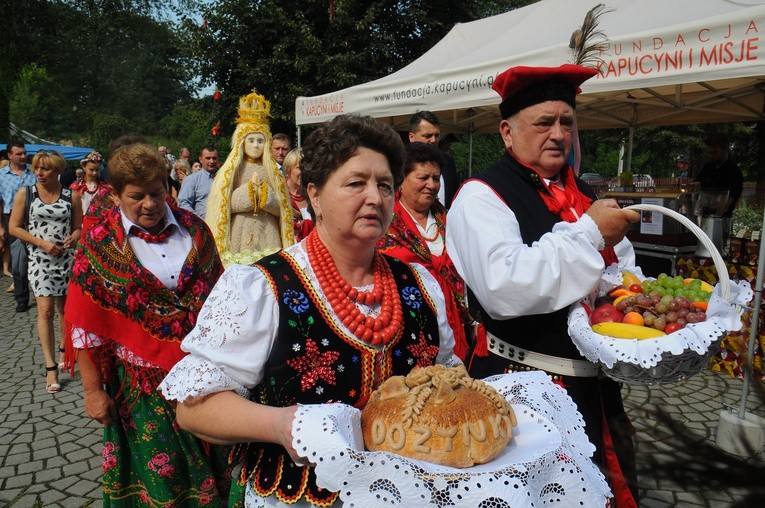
<point>29,190</point>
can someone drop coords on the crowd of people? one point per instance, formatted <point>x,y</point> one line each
<point>379,264</point>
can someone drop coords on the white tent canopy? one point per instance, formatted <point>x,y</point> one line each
<point>667,62</point>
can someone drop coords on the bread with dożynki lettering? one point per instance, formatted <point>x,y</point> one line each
<point>438,414</point>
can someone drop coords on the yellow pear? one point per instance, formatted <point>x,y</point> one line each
<point>629,278</point>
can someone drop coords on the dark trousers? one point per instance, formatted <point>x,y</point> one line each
<point>597,399</point>
<point>18,266</point>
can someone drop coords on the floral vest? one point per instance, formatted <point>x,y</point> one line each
<point>314,362</point>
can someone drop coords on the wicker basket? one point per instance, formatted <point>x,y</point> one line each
<point>671,368</point>
<point>674,367</point>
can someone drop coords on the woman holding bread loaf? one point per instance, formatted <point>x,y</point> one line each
<point>328,319</point>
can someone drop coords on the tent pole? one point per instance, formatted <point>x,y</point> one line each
<point>620,165</point>
<point>470,151</point>
<point>754,326</point>
<point>630,138</point>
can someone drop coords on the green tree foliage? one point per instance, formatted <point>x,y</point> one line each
<point>20,43</point>
<point>657,149</point>
<point>188,125</point>
<point>284,49</point>
<point>131,63</point>
<point>34,102</point>
<point>487,149</point>
<point>108,66</point>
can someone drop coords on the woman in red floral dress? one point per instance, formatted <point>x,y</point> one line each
<point>327,319</point>
<point>91,186</point>
<point>95,193</point>
<point>139,279</point>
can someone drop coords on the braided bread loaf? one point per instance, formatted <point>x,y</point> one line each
<point>440,415</point>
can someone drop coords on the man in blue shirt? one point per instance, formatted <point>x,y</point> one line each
<point>13,177</point>
<point>196,186</point>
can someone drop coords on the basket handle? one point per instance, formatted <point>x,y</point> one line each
<point>722,270</point>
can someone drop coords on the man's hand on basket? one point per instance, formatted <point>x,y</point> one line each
<point>612,221</point>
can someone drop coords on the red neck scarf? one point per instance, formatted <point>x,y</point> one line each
<point>112,295</point>
<point>568,203</point>
<point>404,241</point>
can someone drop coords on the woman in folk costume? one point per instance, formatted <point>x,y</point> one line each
<point>249,207</point>
<point>302,223</point>
<point>139,279</point>
<point>417,233</point>
<point>327,319</point>
<point>90,186</point>
<point>96,193</point>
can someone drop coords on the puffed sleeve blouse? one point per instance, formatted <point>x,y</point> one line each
<point>238,324</point>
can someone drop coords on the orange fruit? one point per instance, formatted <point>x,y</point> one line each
<point>701,305</point>
<point>633,318</point>
<point>620,292</point>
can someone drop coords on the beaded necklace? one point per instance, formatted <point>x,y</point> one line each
<point>431,238</point>
<point>160,237</point>
<point>343,297</point>
<point>439,228</point>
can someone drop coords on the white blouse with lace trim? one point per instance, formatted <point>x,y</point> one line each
<point>237,326</point>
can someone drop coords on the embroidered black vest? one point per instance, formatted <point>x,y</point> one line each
<point>314,362</point>
<point>517,186</point>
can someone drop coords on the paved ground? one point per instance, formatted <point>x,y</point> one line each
<point>50,453</point>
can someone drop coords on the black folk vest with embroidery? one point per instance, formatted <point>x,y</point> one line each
<point>313,362</point>
<point>517,186</point>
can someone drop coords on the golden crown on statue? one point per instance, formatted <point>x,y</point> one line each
<point>254,108</point>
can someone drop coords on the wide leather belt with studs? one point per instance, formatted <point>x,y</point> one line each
<point>552,364</point>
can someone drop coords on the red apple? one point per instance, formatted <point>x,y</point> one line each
<point>606,313</point>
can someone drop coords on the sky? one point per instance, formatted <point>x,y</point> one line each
<point>171,15</point>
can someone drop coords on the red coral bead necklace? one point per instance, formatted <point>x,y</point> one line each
<point>160,237</point>
<point>343,296</point>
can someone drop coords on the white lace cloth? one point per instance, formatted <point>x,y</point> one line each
<point>548,461</point>
<point>722,316</point>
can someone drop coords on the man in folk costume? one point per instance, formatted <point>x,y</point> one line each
<point>529,239</point>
